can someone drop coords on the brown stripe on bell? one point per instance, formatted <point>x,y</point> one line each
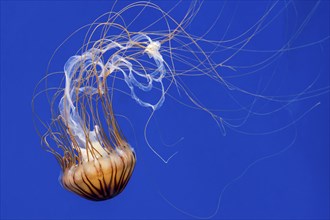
<point>102,175</point>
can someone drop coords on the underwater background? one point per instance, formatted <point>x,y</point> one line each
<point>272,167</point>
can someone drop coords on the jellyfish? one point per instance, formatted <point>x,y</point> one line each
<point>98,165</point>
<point>96,159</point>
<point>150,65</point>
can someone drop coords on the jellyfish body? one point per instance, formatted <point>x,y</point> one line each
<point>102,177</point>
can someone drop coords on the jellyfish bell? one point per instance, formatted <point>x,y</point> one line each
<point>100,177</point>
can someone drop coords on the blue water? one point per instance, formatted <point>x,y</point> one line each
<point>273,166</point>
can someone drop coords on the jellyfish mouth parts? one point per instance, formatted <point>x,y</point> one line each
<point>100,178</point>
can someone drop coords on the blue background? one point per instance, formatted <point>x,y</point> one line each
<point>293,183</point>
